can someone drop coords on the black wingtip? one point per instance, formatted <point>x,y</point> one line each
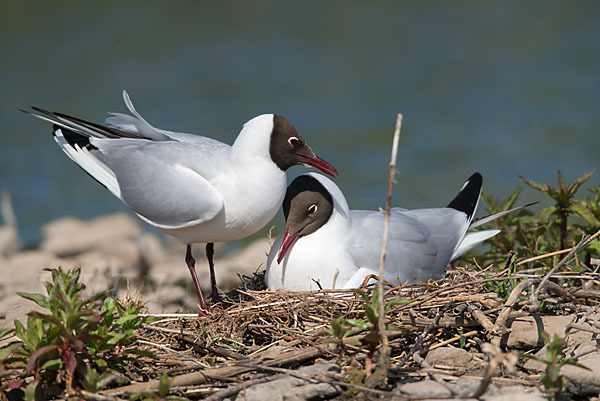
<point>466,200</point>
<point>73,137</point>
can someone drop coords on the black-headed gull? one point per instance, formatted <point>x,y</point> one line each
<point>326,242</point>
<point>192,187</point>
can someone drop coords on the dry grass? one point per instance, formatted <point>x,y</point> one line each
<point>259,331</point>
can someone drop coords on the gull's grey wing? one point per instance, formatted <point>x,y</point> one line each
<point>138,126</point>
<point>420,242</point>
<point>161,182</point>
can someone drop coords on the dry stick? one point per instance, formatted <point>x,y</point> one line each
<point>455,338</point>
<point>181,354</point>
<point>418,345</point>
<point>236,388</point>
<point>481,318</point>
<point>381,372</point>
<point>316,379</point>
<point>98,397</point>
<point>295,356</point>
<point>584,242</point>
<point>510,302</point>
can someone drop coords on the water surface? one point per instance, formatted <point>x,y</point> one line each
<point>503,88</point>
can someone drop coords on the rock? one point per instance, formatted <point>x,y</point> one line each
<point>525,333</point>
<point>16,307</point>
<point>449,356</point>
<point>467,387</point>
<point>26,270</point>
<point>71,236</point>
<point>514,393</point>
<point>152,250</point>
<point>246,261</point>
<point>291,388</point>
<point>424,389</point>
<point>536,366</point>
<point>174,272</point>
<point>9,240</point>
<point>9,234</point>
<point>170,295</point>
<point>572,352</point>
<point>580,381</point>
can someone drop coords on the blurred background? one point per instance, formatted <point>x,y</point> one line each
<point>504,88</point>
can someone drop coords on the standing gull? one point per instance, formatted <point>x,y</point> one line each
<point>326,242</point>
<point>192,187</point>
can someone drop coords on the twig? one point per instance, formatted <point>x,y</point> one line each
<point>583,328</point>
<point>381,372</point>
<point>315,379</point>
<point>418,345</point>
<point>234,389</point>
<point>455,338</point>
<point>510,302</point>
<point>481,318</point>
<point>174,315</point>
<point>181,354</point>
<point>497,357</point>
<point>544,256</point>
<point>294,356</point>
<point>585,240</point>
<point>98,397</point>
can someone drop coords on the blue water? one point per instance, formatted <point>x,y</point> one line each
<point>505,88</point>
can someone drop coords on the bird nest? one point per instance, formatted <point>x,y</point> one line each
<point>257,334</point>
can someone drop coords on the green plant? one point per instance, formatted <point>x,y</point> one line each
<point>554,360</point>
<point>530,234</point>
<point>504,287</point>
<point>340,329</point>
<point>80,343</point>
<point>373,337</point>
<point>565,205</point>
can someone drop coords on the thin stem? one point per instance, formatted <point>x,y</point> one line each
<point>384,360</point>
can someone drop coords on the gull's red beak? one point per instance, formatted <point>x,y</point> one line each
<point>288,241</point>
<point>321,164</point>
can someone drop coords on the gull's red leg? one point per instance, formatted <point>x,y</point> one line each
<point>191,264</point>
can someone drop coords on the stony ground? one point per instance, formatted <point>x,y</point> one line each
<point>455,339</point>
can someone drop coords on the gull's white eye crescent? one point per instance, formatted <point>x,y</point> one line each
<point>293,141</point>
<point>312,209</point>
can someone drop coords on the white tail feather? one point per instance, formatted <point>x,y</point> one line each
<point>471,240</point>
<point>89,163</point>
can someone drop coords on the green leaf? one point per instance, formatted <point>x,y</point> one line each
<point>511,199</point>
<point>337,325</point>
<point>582,210</point>
<point>52,363</point>
<point>492,204</point>
<point>396,301</point>
<point>536,185</point>
<point>163,387</point>
<point>32,392</point>
<point>579,182</point>
<point>595,246</point>
<point>39,299</point>
<point>363,294</point>
<point>124,319</point>
<point>371,314</point>
<point>9,349</point>
<point>545,213</point>
<point>358,323</point>
<point>116,338</point>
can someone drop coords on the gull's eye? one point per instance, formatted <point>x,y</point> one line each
<point>293,141</point>
<point>312,209</point>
